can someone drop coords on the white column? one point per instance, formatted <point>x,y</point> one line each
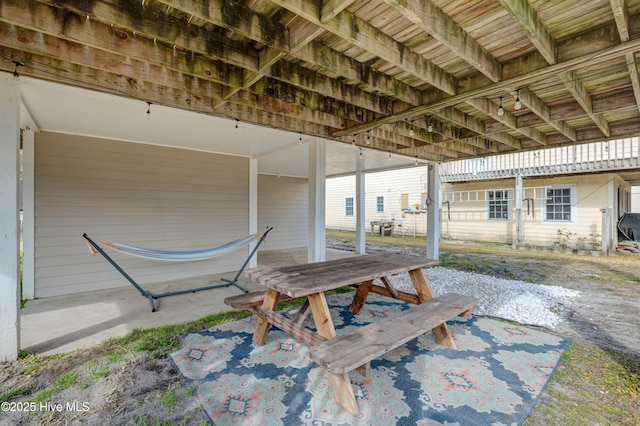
<point>433,212</point>
<point>518,195</point>
<point>28,218</point>
<point>9,218</point>
<point>317,189</point>
<point>360,210</point>
<point>253,207</point>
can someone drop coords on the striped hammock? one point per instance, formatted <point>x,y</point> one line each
<point>177,255</point>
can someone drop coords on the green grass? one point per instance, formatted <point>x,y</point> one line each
<point>8,396</point>
<point>169,400</point>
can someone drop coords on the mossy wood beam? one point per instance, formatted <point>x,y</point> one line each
<point>440,26</point>
<point>589,58</point>
<point>538,107</point>
<point>580,93</point>
<point>620,14</point>
<point>522,12</point>
<point>373,41</point>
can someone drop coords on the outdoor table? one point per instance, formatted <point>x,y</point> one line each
<point>383,226</point>
<point>312,280</point>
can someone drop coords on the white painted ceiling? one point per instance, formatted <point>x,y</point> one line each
<point>53,107</point>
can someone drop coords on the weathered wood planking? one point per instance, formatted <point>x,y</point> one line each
<point>302,280</point>
<point>363,344</point>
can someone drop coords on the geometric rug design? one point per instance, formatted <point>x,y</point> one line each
<point>494,377</point>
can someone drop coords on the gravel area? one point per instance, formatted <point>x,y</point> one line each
<point>526,303</point>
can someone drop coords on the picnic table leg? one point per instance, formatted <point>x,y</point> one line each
<point>262,326</point>
<point>420,282</point>
<point>360,297</point>
<point>340,383</point>
<point>302,313</point>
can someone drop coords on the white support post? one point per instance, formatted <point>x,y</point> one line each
<point>433,212</point>
<point>253,207</point>
<point>360,210</point>
<point>9,218</point>
<point>28,218</point>
<point>317,202</point>
<point>519,230</point>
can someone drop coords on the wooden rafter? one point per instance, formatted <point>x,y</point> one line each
<point>579,92</point>
<point>533,27</point>
<point>431,19</point>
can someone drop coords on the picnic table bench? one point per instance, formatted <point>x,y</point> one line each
<point>353,350</point>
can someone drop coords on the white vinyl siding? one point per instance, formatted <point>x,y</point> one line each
<point>137,194</point>
<point>283,203</point>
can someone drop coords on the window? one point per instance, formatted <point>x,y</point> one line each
<point>348,206</point>
<point>380,204</point>
<point>499,204</point>
<point>558,204</point>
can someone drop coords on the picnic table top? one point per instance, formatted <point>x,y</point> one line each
<point>316,277</point>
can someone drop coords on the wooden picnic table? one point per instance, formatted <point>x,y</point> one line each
<point>312,280</point>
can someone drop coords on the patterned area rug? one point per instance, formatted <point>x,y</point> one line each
<point>494,377</point>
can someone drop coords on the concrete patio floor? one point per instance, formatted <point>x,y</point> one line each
<point>65,323</point>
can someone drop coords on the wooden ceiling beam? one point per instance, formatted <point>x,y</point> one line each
<point>633,74</point>
<point>522,12</point>
<point>620,14</point>
<point>440,26</point>
<point>374,41</point>
<point>538,107</point>
<point>300,34</point>
<point>590,58</point>
<point>573,83</point>
<point>466,121</point>
<point>176,76</point>
<point>199,45</point>
<point>330,8</point>
<point>507,118</point>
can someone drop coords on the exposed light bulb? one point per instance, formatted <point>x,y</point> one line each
<point>236,129</point>
<point>389,156</point>
<point>416,161</point>
<point>500,109</point>
<point>360,154</point>
<point>411,132</point>
<point>430,128</point>
<point>368,137</point>
<point>300,139</point>
<point>148,110</point>
<point>518,104</point>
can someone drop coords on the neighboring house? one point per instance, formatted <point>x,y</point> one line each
<point>397,196</point>
<point>570,197</point>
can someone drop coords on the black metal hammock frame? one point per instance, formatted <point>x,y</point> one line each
<point>95,247</point>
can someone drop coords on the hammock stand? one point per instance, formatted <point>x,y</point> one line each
<point>151,297</point>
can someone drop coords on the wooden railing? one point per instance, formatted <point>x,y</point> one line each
<point>618,154</point>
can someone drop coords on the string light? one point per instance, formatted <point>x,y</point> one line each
<point>500,109</point>
<point>360,155</point>
<point>416,160</point>
<point>353,142</point>
<point>237,122</point>
<point>368,137</point>
<point>148,110</point>
<point>518,104</point>
<point>411,131</point>
<point>300,139</point>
